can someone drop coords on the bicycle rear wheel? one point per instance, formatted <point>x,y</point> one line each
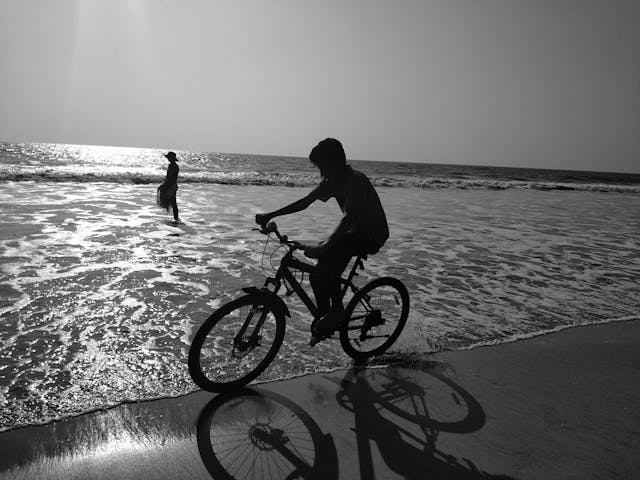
<point>222,357</point>
<point>375,317</point>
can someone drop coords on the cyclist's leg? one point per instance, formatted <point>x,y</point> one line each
<point>325,280</point>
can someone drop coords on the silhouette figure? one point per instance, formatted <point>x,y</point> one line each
<point>166,196</point>
<point>362,230</point>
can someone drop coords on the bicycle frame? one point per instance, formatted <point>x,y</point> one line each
<point>285,274</point>
<point>249,330</point>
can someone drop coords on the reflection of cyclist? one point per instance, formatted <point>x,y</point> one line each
<point>362,229</point>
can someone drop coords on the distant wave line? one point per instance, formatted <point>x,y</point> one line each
<point>295,180</point>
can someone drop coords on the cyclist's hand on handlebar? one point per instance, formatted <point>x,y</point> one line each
<point>262,219</point>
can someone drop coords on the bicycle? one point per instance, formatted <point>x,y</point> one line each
<point>239,340</point>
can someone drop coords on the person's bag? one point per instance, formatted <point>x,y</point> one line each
<point>162,199</point>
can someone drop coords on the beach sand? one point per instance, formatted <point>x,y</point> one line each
<point>558,406</point>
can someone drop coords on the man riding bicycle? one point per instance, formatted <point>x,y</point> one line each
<point>362,230</point>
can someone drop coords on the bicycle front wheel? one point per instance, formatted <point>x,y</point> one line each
<point>235,344</point>
<point>375,316</point>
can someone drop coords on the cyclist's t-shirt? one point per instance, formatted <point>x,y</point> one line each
<point>357,197</point>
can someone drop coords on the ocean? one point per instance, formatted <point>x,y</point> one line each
<point>100,295</point>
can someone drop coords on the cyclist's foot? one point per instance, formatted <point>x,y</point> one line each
<point>326,326</point>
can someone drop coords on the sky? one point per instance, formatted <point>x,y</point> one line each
<point>523,83</point>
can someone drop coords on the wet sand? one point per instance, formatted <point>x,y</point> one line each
<point>563,405</point>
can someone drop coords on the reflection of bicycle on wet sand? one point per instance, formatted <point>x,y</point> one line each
<point>240,339</point>
<point>261,434</point>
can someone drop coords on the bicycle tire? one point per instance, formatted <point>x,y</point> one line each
<point>228,379</point>
<point>230,444</point>
<point>361,319</point>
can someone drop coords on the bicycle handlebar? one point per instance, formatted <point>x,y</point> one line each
<point>271,227</point>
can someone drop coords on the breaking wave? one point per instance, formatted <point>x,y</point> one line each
<point>153,176</point>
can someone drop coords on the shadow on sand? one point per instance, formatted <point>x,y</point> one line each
<point>402,409</point>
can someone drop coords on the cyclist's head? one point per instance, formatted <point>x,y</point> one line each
<point>328,156</point>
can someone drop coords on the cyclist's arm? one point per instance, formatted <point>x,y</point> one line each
<point>294,207</point>
<point>321,192</point>
<point>348,224</point>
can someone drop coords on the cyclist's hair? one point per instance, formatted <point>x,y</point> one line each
<point>328,150</point>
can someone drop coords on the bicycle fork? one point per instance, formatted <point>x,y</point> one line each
<point>240,341</point>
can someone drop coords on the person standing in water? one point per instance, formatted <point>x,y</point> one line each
<point>166,197</point>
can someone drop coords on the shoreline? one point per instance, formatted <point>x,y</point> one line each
<point>557,405</point>
<point>389,359</point>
